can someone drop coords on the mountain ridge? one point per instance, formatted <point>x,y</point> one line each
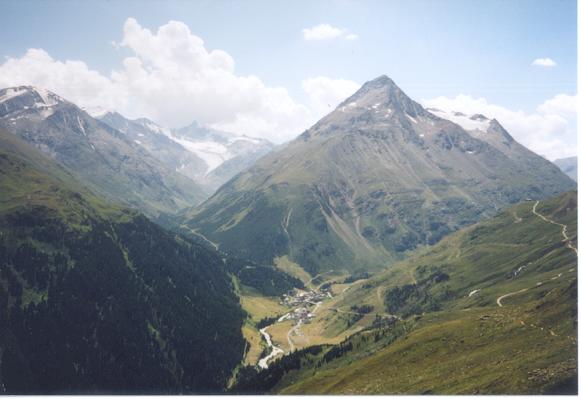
<point>95,298</point>
<point>100,156</point>
<point>374,178</point>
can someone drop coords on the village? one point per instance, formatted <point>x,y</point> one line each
<point>301,300</point>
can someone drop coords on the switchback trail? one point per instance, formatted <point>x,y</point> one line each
<point>566,238</point>
<point>318,275</point>
<point>500,298</point>
<point>194,232</point>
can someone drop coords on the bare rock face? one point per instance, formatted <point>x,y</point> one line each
<point>378,176</point>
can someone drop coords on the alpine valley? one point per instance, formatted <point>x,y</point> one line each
<point>388,249</point>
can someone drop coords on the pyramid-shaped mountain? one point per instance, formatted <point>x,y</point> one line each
<point>375,178</point>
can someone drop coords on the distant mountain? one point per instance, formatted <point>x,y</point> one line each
<point>377,177</point>
<point>225,154</point>
<point>108,161</point>
<point>95,298</point>
<point>157,141</point>
<point>209,157</point>
<point>568,166</point>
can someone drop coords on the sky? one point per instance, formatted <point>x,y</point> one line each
<point>273,68</point>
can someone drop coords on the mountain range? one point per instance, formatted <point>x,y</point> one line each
<point>389,248</point>
<point>376,178</point>
<point>104,159</point>
<point>208,157</point>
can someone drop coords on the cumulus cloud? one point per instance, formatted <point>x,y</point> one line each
<point>550,131</point>
<point>70,79</point>
<point>325,93</point>
<point>171,77</point>
<point>544,62</point>
<point>326,32</point>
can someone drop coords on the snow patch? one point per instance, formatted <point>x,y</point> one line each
<point>476,122</point>
<point>11,93</point>
<point>96,112</point>
<point>81,126</point>
<point>49,99</point>
<point>214,154</point>
<point>46,112</point>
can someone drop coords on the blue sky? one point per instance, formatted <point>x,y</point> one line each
<point>430,48</point>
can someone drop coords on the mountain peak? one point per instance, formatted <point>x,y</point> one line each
<point>381,81</point>
<point>39,95</point>
<point>28,99</point>
<point>382,92</point>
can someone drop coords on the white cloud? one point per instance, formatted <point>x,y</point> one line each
<point>326,32</point>
<point>172,78</point>
<point>325,93</point>
<point>550,131</point>
<point>544,62</point>
<point>70,79</point>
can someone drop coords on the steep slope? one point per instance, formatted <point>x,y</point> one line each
<point>96,298</point>
<point>208,157</point>
<point>156,141</point>
<point>106,160</point>
<point>490,309</point>
<point>568,166</point>
<point>375,178</point>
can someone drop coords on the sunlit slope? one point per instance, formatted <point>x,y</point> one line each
<point>489,309</point>
<point>376,178</point>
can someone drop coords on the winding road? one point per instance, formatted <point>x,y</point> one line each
<point>566,240</point>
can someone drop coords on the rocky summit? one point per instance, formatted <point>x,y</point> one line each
<point>377,177</point>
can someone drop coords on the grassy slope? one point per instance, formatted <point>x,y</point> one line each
<point>124,305</point>
<point>507,350</point>
<point>472,344</point>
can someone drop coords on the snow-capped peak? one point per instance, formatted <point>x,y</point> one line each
<point>44,98</point>
<point>27,99</point>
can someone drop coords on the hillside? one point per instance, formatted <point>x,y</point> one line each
<point>374,179</point>
<point>489,309</point>
<point>95,298</point>
<point>109,162</point>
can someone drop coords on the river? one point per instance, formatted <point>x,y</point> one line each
<point>263,363</point>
